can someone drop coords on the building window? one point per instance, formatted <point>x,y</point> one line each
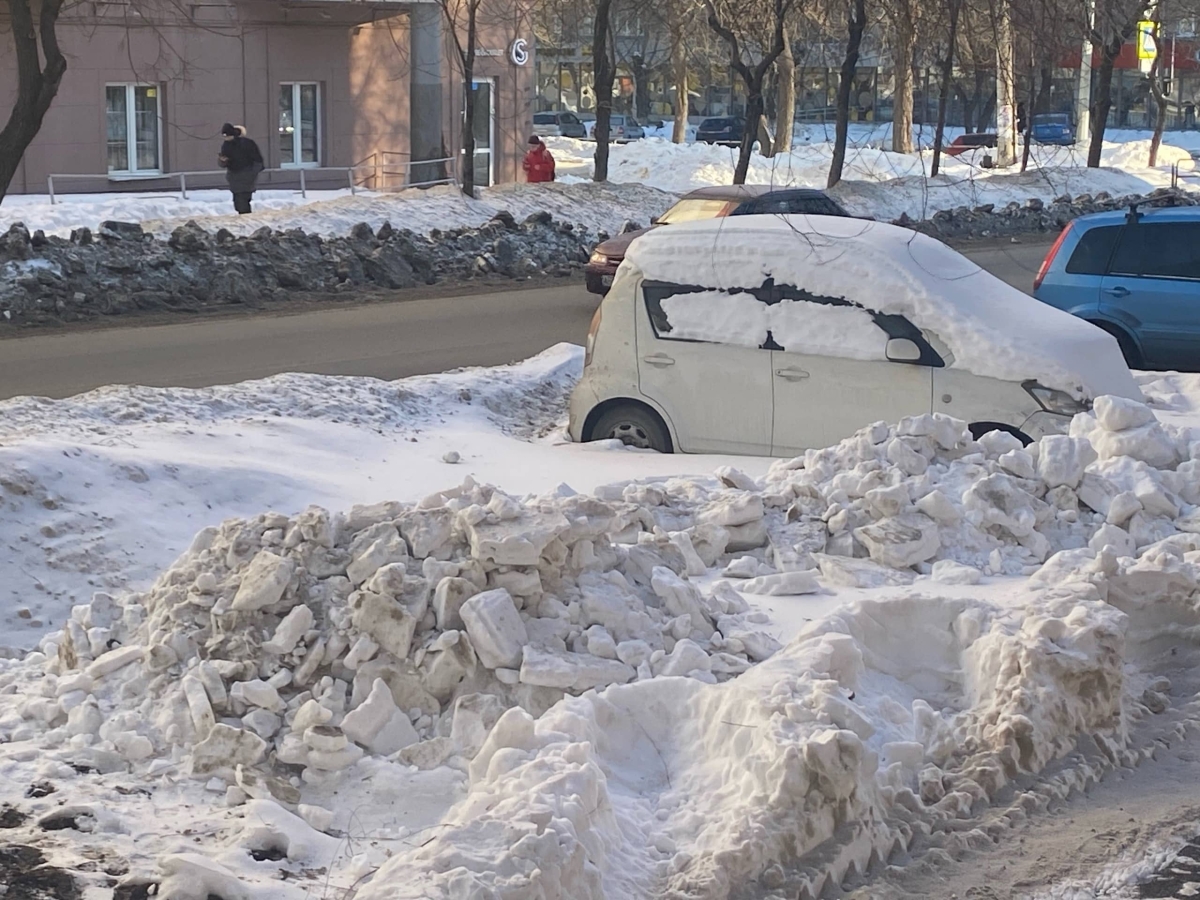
<point>299,128</point>
<point>134,129</point>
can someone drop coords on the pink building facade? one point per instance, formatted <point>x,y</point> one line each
<point>321,85</point>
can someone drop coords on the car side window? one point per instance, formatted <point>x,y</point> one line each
<point>1093,251</point>
<point>778,317</point>
<point>570,119</point>
<point>1171,249</point>
<point>1127,257</point>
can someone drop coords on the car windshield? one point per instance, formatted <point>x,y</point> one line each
<point>1051,119</point>
<point>544,119</point>
<point>693,210</point>
<point>718,123</point>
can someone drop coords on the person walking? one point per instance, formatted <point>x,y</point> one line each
<point>538,163</point>
<point>242,161</point>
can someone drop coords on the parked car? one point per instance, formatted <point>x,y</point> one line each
<point>558,124</point>
<point>721,130</point>
<point>1135,274</point>
<point>773,335</point>
<point>1052,128</point>
<point>624,128</point>
<point>710,203</point>
<point>965,142</point>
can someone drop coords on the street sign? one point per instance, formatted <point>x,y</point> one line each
<point>1147,48</point>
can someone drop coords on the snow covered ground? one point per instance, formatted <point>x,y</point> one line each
<point>877,183</point>
<point>295,702</point>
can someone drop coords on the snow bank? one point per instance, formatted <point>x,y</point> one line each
<point>991,329</point>
<point>284,658</point>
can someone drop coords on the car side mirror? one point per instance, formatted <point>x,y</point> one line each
<point>903,350</point>
<point>655,221</point>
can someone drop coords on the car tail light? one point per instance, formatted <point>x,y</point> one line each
<point>1046,263</point>
<point>591,336</point>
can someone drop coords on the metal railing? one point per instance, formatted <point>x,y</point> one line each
<point>1178,174</point>
<point>376,167</point>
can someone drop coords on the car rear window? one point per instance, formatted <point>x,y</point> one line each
<point>544,119</point>
<point>693,211</point>
<point>806,206</point>
<point>1094,250</point>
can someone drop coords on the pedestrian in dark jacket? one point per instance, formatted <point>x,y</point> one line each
<point>242,161</point>
<point>538,163</point>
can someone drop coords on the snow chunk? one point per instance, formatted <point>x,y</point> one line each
<point>1121,413</point>
<point>264,581</point>
<point>783,584</point>
<point>572,671</point>
<point>900,541</point>
<point>378,724</point>
<point>495,628</point>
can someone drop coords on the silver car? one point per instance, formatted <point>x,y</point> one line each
<point>558,124</point>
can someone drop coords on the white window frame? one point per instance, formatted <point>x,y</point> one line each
<point>296,136</point>
<point>133,171</point>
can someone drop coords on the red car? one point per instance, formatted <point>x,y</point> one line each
<point>710,203</point>
<point>965,142</point>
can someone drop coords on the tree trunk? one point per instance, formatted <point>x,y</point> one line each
<point>1102,101</point>
<point>902,105</point>
<point>1006,100</point>
<point>641,89</point>
<point>679,72</point>
<point>754,113</point>
<point>855,26</point>
<point>785,109</point>
<point>1160,109</point>
<point>36,86</point>
<point>604,74</point>
<point>944,93</point>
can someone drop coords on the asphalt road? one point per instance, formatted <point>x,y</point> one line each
<point>386,340</point>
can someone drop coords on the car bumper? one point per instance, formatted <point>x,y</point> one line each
<point>599,278</point>
<point>583,401</point>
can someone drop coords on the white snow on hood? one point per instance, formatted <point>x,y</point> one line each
<point>992,329</point>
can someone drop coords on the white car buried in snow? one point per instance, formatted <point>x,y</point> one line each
<point>776,335</point>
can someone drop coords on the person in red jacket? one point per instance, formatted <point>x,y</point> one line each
<point>538,163</point>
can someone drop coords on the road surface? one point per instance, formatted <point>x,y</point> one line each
<point>386,340</point>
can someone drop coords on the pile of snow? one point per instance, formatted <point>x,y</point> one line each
<point>283,658</point>
<point>596,207</point>
<point>991,329</point>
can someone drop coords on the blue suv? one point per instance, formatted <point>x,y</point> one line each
<point>1136,274</point>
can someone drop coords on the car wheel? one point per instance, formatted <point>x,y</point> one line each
<point>633,426</point>
<point>1133,356</point>
<point>979,429</point>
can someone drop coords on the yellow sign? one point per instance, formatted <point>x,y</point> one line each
<point>1147,48</point>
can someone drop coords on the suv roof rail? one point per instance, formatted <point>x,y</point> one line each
<point>1133,216</point>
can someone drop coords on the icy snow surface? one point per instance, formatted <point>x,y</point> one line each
<point>449,691</point>
<point>992,329</point>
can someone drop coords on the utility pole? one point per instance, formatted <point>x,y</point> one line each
<point>1006,100</point>
<point>1083,96</point>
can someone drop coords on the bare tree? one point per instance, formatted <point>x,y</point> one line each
<point>604,72</point>
<point>678,19</point>
<point>1115,23</point>
<point>785,105</point>
<point>944,92</point>
<point>904,15</point>
<point>37,83</point>
<point>1160,101</point>
<point>856,24</point>
<point>462,19</point>
<point>738,23</point>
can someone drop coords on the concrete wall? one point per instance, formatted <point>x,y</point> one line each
<point>225,64</point>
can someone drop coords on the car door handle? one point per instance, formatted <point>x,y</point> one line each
<point>1117,291</point>
<point>790,374</point>
<point>659,359</point>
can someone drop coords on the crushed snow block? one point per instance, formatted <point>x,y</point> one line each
<point>846,571</point>
<point>384,551</point>
<point>900,541</point>
<point>947,571</point>
<point>115,659</point>
<point>378,724</point>
<point>732,510</point>
<point>263,582</point>
<point>427,531</point>
<point>190,876</point>
<point>427,754</point>
<point>1061,459</point>
<point>227,747</point>
<point>1115,537</point>
<point>388,622</point>
<point>474,717</point>
<point>1149,443</point>
<point>783,584</point>
<point>680,598</point>
<point>688,656</point>
<point>572,671</point>
<point>516,542</point>
<point>497,633</point>
<point>1121,413</point>
<point>257,693</point>
<point>289,631</point>
<point>448,597</point>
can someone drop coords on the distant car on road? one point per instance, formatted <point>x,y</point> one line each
<point>721,130</point>
<point>558,124</point>
<point>966,142</point>
<point>710,203</point>
<point>1137,276</point>
<point>1052,128</point>
<point>773,335</point>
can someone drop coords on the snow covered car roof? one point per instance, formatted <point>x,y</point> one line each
<point>991,328</point>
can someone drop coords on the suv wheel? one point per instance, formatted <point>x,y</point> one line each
<point>1133,358</point>
<point>634,426</point>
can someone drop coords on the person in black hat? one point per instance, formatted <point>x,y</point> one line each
<point>242,161</point>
